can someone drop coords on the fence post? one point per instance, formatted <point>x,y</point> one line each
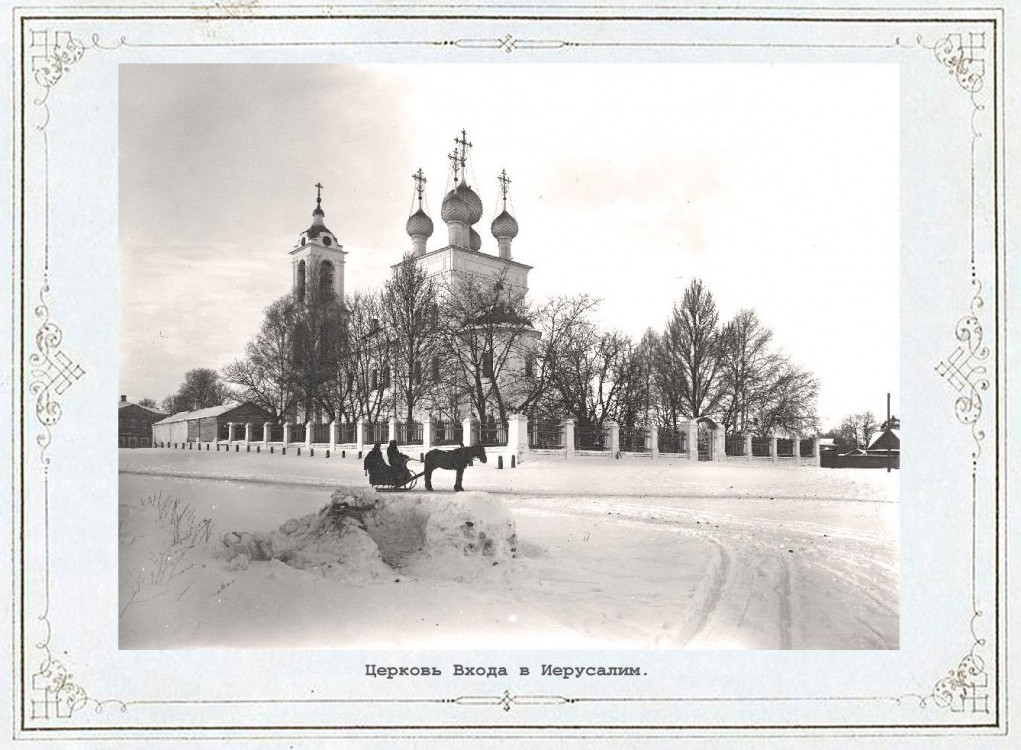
<point>427,433</point>
<point>772,448</point>
<point>517,434</point>
<point>719,443</point>
<point>360,434</point>
<point>692,428</point>
<point>614,429</point>
<point>287,433</point>
<point>333,436</point>
<point>393,428</point>
<point>653,438</point>
<point>568,425</point>
<point>468,431</point>
<point>248,433</point>
<point>230,432</point>
<point>265,434</point>
<point>748,446</point>
<point>308,433</point>
<point>797,448</point>
<point>817,451</point>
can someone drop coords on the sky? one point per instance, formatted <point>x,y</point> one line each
<point>776,185</point>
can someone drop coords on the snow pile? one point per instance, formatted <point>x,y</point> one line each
<point>361,536</point>
<point>332,542</point>
<point>472,524</point>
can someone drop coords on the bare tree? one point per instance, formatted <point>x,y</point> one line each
<point>149,403</point>
<point>409,315</point>
<point>786,401</point>
<point>266,374</point>
<point>560,321</point>
<point>201,389</point>
<point>687,360</point>
<point>484,324</point>
<point>858,429</point>
<point>363,370</point>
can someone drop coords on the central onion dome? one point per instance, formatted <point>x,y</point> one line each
<point>419,224</point>
<point>471,200</point>
<point>474,240</point>
<point>505,225</point>
<point>454,209</point>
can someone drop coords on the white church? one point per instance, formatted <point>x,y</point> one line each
<point>318,258</point>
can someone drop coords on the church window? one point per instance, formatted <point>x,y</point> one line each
<point>436,368</point>
<point>327,240</point>
<point>299,285</point>
<point>487,364</point>
<point>386,377</point>
<point>529,365</point>
<point>325,279</point>
<point>418,373</point>
<point>374,380</point>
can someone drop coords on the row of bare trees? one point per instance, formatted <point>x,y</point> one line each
<point>478,346</point>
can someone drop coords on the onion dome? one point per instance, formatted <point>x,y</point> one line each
<point>419,224</point>
<point>505,226</point>
<point>472,200</point>
<point>474,240</point>
<point>317,227</point>
<point>454,208</point>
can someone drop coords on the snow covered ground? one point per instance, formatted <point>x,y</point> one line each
<point>610,554</point>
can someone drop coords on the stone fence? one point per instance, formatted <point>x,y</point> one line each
<point>693,441</point>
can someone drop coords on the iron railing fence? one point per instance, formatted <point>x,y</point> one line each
<point>276,432</point>
<point>806,447</point>
<point>347,432</point>
<point>258,429</point>
<point>785,447</point>
<point>297,433</point>
<point>672,441</point>
<point>546,436</point>
<point>448,433</point>
<point>493,435</point>
<point>735,445</point>
<point>377,432</point>
<point>591,438</point>
<point>410,433</point>
<point>634,439</point>
<point>760,447</point>
<point>320,433</point>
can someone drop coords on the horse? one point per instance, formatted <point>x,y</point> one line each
<point>454,460</point>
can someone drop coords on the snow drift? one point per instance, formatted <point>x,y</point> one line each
<point>362,535</point>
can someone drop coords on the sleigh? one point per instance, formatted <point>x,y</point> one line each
<point>388,479</point>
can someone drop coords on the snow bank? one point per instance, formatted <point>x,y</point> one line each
<point>332,542</point>
<point>363,535</point>
<point>472,524</point>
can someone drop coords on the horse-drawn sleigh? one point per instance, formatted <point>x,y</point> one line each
<point>395,476</point>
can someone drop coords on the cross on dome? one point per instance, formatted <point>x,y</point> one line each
<point>465,144</point>
<point>420,181</point>
<point>504,183</point>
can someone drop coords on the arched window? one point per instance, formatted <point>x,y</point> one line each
<point>299,284</point>
<point>325,279</point>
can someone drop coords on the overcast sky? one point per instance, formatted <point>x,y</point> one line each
<point>777,185</point>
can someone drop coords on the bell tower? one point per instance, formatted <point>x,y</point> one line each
<point>317,260</point>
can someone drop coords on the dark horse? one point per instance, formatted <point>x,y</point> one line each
<point>455,460</point>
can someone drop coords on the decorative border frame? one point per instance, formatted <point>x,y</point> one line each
<point>49,692</point>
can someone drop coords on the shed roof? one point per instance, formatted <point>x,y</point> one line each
<point>122,404</point>
<point>886,436</point>
<point>211,411</point>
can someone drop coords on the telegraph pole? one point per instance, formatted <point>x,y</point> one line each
<point>888,429</point>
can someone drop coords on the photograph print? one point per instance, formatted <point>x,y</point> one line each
<point>527,356</point>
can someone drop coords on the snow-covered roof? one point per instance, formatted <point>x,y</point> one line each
<point>122,404</point>
<point>212,411</point>
<point>881,435</point>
